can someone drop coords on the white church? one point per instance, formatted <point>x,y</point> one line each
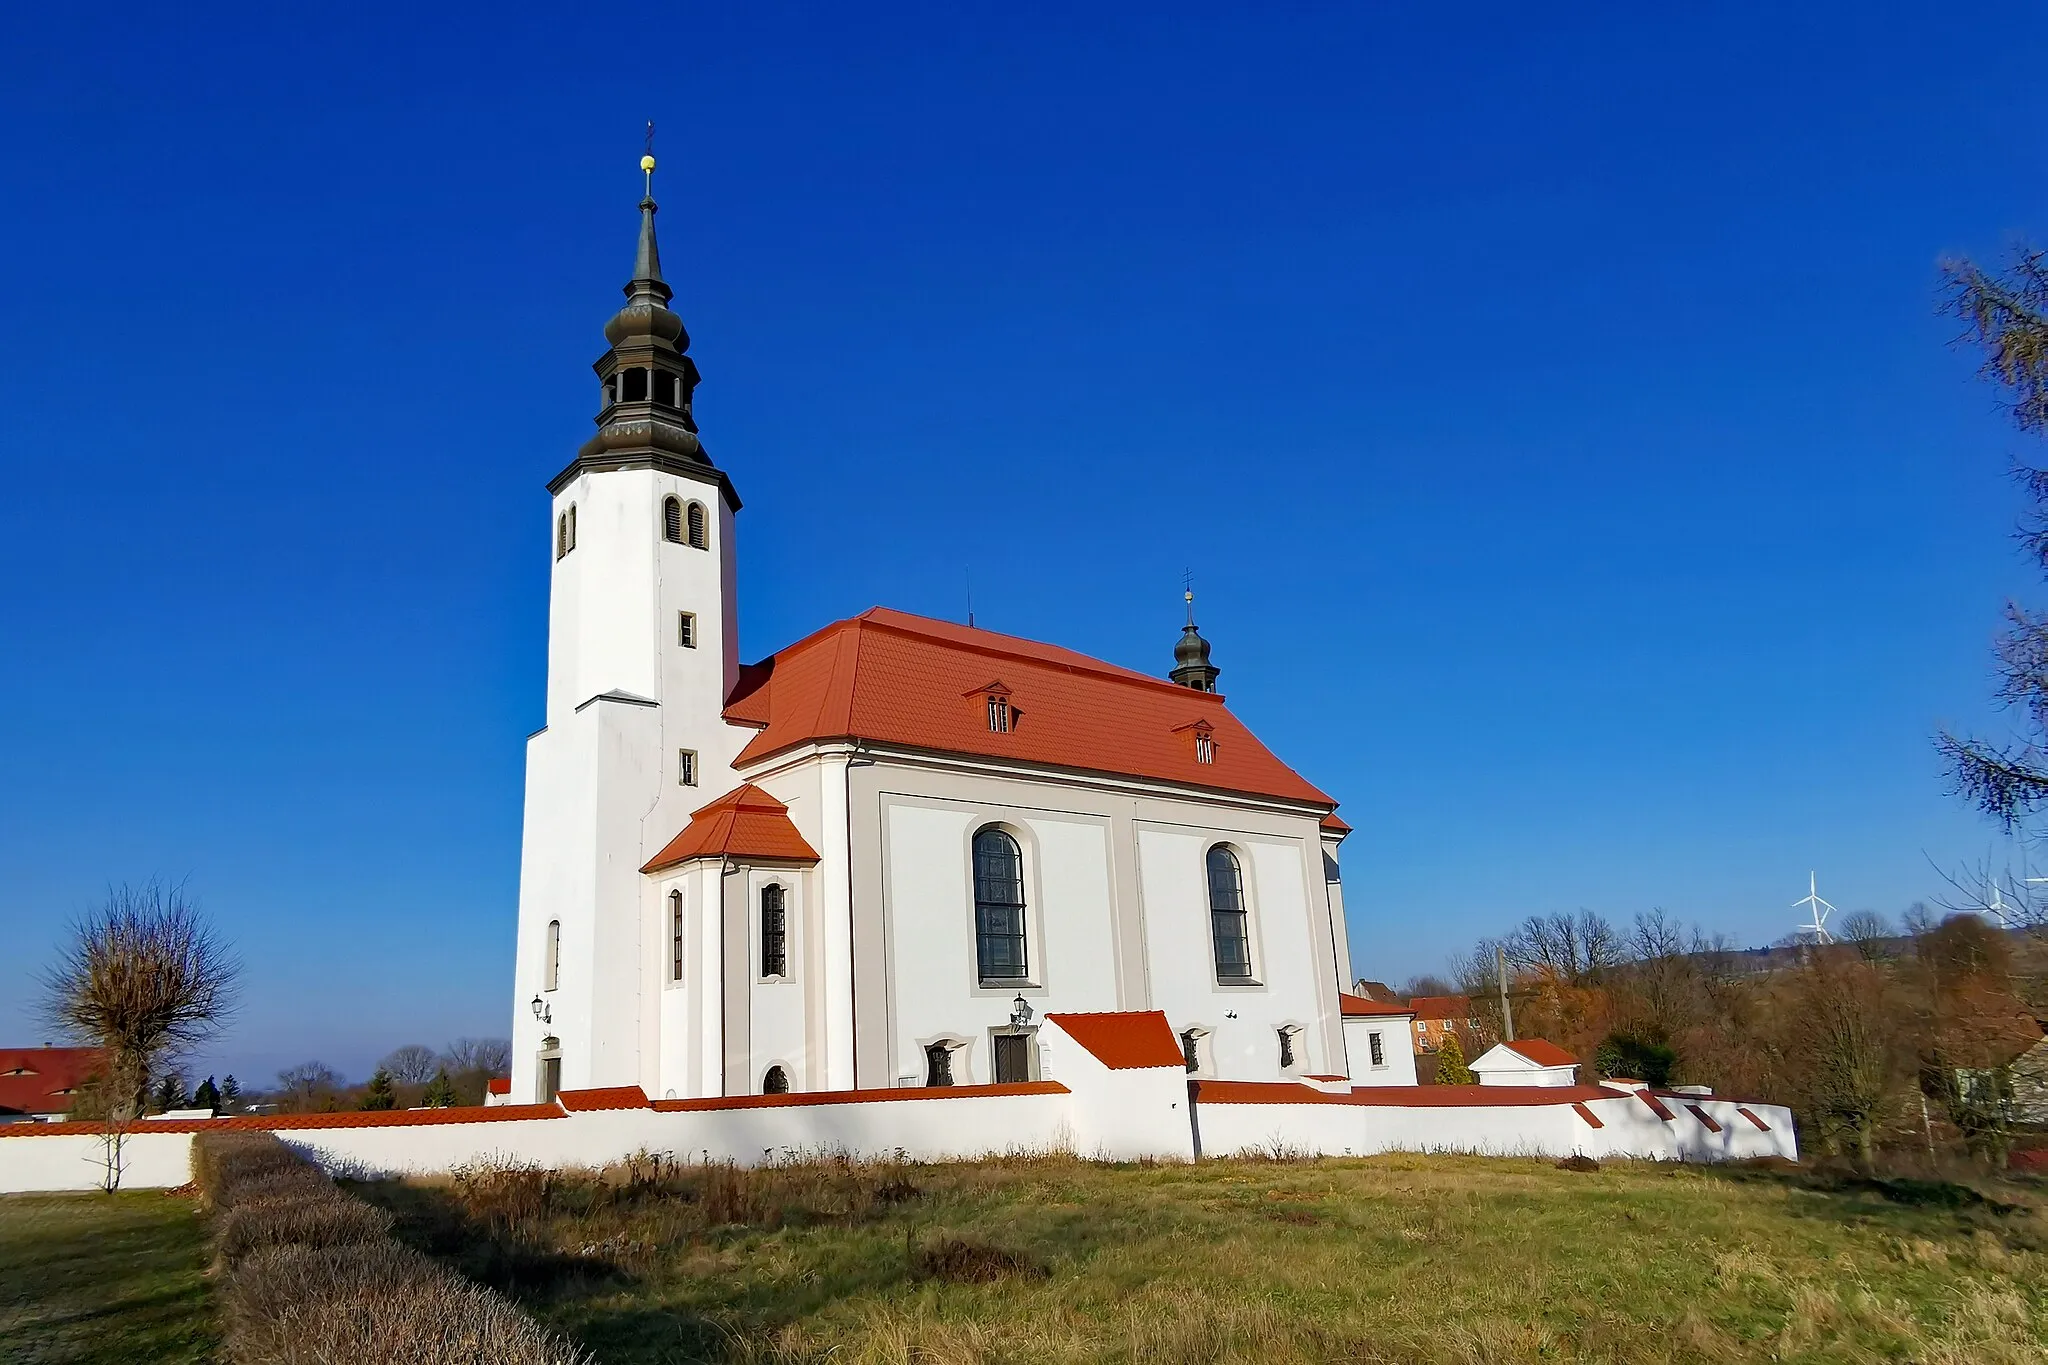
<point>877,857</point>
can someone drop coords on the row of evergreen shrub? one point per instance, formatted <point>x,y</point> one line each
<point>310,1276</point>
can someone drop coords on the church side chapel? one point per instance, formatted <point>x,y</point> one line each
<point>878,857</point>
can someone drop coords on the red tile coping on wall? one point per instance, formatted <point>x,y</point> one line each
<point>1656,1105</point>
<point>1398,1096</point>
<point>1588,1115</point>
<point>606,1097</point>
<point>1357,1006</point>
<point>352,1118</point>
<point>1704,1117</point>
<point>499,1085</point>
<point>813,1097</point>
<point>2027,1161</point>
<point>1761,1126</point>
<point>1125,1041</point>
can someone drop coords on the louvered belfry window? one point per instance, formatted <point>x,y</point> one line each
<point>999,906</point>
<point>1228,923</point>
<point>699,538</point>
<point>774,932</point>
<point>672,520</point>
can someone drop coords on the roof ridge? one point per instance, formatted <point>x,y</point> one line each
<point>1100,668</point>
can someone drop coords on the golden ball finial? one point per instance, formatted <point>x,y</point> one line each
<point>647,163</point>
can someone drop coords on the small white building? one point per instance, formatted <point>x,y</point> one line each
<point>1376,1041</point>
<point>1527,1061</point>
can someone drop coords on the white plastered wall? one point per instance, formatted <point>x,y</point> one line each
<point>1396,1049</point>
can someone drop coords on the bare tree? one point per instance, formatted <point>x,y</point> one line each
<point>1428,984</point>
<point>1868,931</point>
<point>144,978</point>
<point>308,1086</point>
<point>1853,1058</point>
<point>472,1062</point>
<point>2005,317</point>
<point>488,1055</point>
<point>1576,950</point>
<point>412,1064</point>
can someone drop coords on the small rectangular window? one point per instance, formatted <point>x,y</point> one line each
<point>686,629</point>
<point>1205,749</point>
<point>999,715</point>
<point>1379,1049</point>
<point>686,767</point>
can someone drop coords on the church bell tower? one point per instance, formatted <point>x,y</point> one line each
<point>643,649</point>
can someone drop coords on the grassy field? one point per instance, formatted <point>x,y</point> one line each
<point>90,1278</point>
<point>1436,1259</point>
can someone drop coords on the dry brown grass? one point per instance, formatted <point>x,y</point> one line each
<point>1442,1260</point>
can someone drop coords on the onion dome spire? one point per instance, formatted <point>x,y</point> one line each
<point>1191,656</point>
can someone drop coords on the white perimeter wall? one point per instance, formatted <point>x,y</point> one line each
<point>1118,1115</point>
<point>1631,1129</point>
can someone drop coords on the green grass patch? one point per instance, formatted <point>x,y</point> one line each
<point>1400,1258</point>
<point>88,1278</point>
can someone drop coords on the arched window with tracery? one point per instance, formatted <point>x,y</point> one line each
<point>1229,923</point>
<point>700,538</point>
<point>999,906</point>
<point>672,520</point>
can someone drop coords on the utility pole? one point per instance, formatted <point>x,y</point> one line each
<point>1507,1016</point>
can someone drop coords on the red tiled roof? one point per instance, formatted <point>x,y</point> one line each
<point>499,1085</point>
<point>1398,1096</point>
<point>1334,825</point>
<point>1125,1041</point>
<point>607,1097</point>
<point>347,1118</point>
<point>1541,1052</point>
<point>1355,1006</point>
<point>52,1073</point>
<point>1588,1115</point>
<point>1456,1008</point>
<point>894,678</point>
<point>746,822</point>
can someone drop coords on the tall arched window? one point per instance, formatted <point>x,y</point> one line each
<point>774,932</point>
<point>999,906</point>
<point>776,1082</point>
<point>551,971</point>
<point>1229,925</point>
<point>565,532</point>
<point>699,538</point>
<point>672,520</point>
<point>675,936</point>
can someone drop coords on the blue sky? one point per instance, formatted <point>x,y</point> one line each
<point>1576,476</point>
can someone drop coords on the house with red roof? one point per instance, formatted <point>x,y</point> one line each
<point>1526,1061</point>
<point>41,1084</point>
<point>1438,1017</point>
<point>879,856</point>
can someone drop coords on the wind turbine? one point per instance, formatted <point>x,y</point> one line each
<point>1996,906</point>
<point>1820,908</point>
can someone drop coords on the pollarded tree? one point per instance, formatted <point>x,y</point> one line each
<point>142,978</point>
